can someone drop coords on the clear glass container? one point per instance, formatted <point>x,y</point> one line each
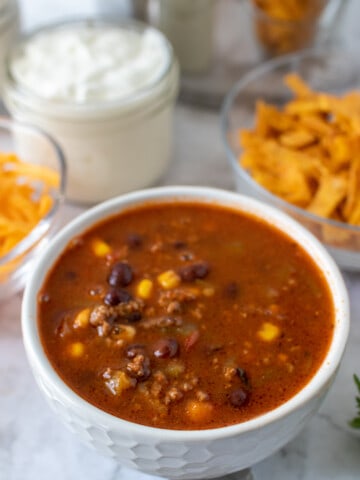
<point>334,70</point>
<point>112,146</point>
<point>189,27</point>
<point>9,29</point>
<point>36,147</point>
<point>293,26</point>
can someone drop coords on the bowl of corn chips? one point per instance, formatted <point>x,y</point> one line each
<point>32,186</point>
<point>291,129</point>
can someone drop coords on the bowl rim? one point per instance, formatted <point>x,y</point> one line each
<point>42,227</point>
<point>205,195</point>
<point>225,110</point>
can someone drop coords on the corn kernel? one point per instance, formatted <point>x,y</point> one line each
<point>268,332</point>
<point>100,248</point>
<point>199,412</point>
<point>144,288</point>
<point>82,318</point>
<point>126,332</point>
<point>169,279</point>
<point>208,291</point>
<point>290,367</point>
<point>77,349</point>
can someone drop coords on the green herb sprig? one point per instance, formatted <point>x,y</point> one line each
<point>355,422</point>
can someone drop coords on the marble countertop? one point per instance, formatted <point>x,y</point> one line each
<point>35,445</point>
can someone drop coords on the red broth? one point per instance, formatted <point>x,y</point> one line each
<point>185,316</point>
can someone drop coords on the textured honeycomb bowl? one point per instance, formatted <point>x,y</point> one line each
<point>173,453</point>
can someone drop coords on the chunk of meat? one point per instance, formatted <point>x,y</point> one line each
<point>139,367</point>
<point>174,394</point>
<point>180,295</point>
<point>161,322</point>
<point>103,317</point>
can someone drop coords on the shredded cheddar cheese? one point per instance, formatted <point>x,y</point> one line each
<point>25,199</point>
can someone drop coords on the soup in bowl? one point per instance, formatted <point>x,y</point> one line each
<point>187,332</point>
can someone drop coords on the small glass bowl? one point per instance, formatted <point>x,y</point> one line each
<point>34,146</point>
<point>329,70</point>
<point>278,36</point>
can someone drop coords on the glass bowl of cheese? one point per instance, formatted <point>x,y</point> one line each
<point>32,179</point>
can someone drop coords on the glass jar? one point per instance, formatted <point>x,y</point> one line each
<point>294,25</point>
<point>188,24</point>
<point>112,145</point>
<point>9,29</point>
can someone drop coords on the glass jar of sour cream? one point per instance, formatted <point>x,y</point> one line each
<point>106,91</point>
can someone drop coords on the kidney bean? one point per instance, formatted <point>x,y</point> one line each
<point>238,397</point>
<point>121,275</point>
<point>115,296</point>
<point>166,348</point>
<point>195,271</point>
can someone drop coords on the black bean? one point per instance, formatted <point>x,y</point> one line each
<point>135,349</point>
<point>195,271</point>
<point>238,397</point>
<point>134,240</point>
<point>116,296</point>
<point>232,290</point>
<point>201,270</point>
<point>166,348</point>
<point>240,372</point>
<point>121,275</point>
<point>187,273</point>
<point>133,317</point>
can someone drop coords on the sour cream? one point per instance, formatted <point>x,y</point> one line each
<point>106,93</point>
<point>86,64</point>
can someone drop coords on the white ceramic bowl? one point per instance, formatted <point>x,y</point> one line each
<point>173,453</point>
